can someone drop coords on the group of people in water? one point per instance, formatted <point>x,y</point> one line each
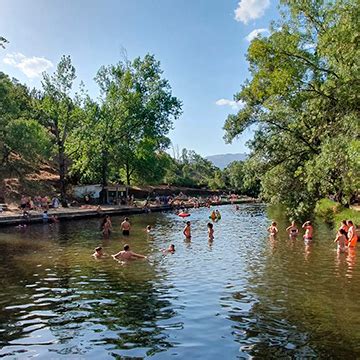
<point>346,235</point>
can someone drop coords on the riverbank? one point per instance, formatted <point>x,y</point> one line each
<point>77,213</point>
<point>333,213</point>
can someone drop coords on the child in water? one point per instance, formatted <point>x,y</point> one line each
<point>210,227</point>
<point>272,229</point>
<point>187,230</point>
<point>292,230</point>
<point>308,230</point>
<point>341,241</point>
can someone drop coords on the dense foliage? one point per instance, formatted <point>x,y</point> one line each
<point>119,138</point>
<point>303,98</point>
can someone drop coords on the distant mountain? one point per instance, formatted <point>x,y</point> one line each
<point>223,160</point>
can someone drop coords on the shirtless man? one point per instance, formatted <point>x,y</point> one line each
<point>127,254</point>
<point>125,227</point>
<point>169,250</point>
<point>308,230</point>
<point>187,230</point>
<point>210,227</point>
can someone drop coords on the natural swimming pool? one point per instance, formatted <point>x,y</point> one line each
<point>242,296</point>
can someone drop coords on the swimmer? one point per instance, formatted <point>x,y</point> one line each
<point>341,241</point>
<point>292,230</point>
<point>213,215</point>
<point>187,230</point>
<point>308,230</point>
<point>351,234</point>
<point>210,227</point>
<point>127,254</point>
<point>272,229</point>
<point>148,229</point>
<point>237,207</point>
<point>98,253</point>
<point>125,227</point>
<point>169,250</point>
<point>218,215</point>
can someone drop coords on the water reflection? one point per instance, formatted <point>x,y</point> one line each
<point>243,294</point>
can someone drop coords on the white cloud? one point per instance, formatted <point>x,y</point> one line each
<point>250,10</point>
<point>236,105</point>
<point>251,36</point>
<point>32,67</point>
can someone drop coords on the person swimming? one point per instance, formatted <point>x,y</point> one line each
<point>127,254</point>
<point>210,227</point>
<point>98,253</point>
<point>308,230</point>
<point>187,230</point>
<point>292,230</point>
<point>341,241</point>
<point>148,229</point>
<point>272,229</point>
<point>169,250</point>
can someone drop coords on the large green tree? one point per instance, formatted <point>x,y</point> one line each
<point>304,91</point>
<point>125,134</point>
<point>60,114</point>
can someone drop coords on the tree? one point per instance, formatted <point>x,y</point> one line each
<point>303,92</point>
<point>59,114</point>
<point>3,41</point>
<point>20,133</point>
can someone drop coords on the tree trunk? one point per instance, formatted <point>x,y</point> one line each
<point>62,174</point>
<point>104,183</point>
<point>128,173</point>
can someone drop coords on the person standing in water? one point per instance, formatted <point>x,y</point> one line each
<point>210,227</point>
<point>308,230</point>
<point>106,226</point>
<point>344,227</point>
<point>292,230</point>
<point>351,234</point>
<point>125,227</point>
<point>272,229</point>
<point>187,230</point>
<point>341,241</point>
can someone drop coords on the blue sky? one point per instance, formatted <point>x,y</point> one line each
<point>201,45</point>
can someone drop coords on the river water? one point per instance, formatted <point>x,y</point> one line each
<point>241,296</point>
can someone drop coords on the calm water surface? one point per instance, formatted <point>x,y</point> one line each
<point>243,296</point>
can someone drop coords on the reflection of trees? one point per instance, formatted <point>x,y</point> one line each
<point>82,302</point>
<point>291,306</point>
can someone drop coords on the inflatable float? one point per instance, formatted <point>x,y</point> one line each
<point>183,215</point>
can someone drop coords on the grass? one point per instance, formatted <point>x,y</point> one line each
<point>333,212</point>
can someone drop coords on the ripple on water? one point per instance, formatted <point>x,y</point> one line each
<point>241,296</point>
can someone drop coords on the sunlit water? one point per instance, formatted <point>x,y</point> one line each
<point>242,296</point>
